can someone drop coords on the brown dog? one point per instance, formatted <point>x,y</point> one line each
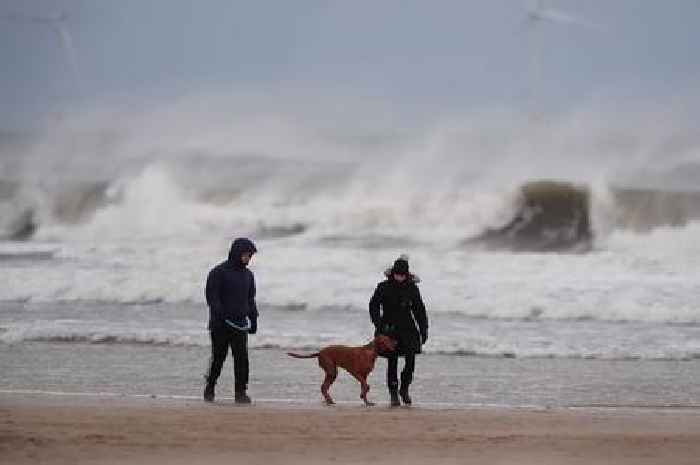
<point>358,361</point>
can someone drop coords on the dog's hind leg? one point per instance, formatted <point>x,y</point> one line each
<point>331,373</point>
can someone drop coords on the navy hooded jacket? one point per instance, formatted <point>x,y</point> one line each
<point>230,289</point>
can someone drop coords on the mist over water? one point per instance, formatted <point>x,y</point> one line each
<point>133,205</point>
<point>211,164</point>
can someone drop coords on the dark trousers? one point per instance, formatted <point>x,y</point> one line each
<point>406,375</point>
<point>221,340</point>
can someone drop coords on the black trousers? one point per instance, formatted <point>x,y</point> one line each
<point>406,375</point>
<point>221,340</point>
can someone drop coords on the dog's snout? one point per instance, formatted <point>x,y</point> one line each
<point>386,343</point>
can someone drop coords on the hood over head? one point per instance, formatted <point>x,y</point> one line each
<point>240,246</point>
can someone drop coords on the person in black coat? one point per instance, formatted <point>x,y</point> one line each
<point>233,314</point>
<point>397,310</point>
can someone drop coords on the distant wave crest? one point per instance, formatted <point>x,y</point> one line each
<point>8,336</point>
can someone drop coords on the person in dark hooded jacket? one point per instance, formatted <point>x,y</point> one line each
<point>397,310</point>
<point>233,314</point>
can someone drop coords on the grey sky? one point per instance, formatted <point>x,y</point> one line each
<point>441,56</point>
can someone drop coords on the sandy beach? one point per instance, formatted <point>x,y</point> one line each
<point>62,429</point>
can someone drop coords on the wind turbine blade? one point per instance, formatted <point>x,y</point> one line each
<point>68,48</point>
<point>555,16</point>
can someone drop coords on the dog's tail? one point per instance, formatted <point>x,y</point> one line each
<point>292,354</point>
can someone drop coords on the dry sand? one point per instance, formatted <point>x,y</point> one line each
<point>45,429</point>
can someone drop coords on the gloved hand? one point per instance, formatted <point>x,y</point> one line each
<point>424,336</point>
<point>253,326</point>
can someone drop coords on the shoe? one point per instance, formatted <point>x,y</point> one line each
<point>405,397</point>
<point>209,393</point>
<point>241,398</point>
<point>394,396</point>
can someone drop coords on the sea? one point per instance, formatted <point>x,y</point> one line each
<point>109,232</point>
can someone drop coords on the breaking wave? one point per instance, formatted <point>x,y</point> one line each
<point>539,215</point>
<point>211,164</point>
<point>548,216</point>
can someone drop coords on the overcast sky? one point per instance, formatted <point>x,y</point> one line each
<point>435,56</point>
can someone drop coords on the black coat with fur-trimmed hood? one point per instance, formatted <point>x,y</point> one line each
<point>397,310</point>
<point>230,289</point>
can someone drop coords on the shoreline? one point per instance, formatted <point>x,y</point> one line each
<point>101,429</point>
<point>439,379</point>
<point>45,396</point>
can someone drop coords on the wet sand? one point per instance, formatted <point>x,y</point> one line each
<point>107,430</point>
